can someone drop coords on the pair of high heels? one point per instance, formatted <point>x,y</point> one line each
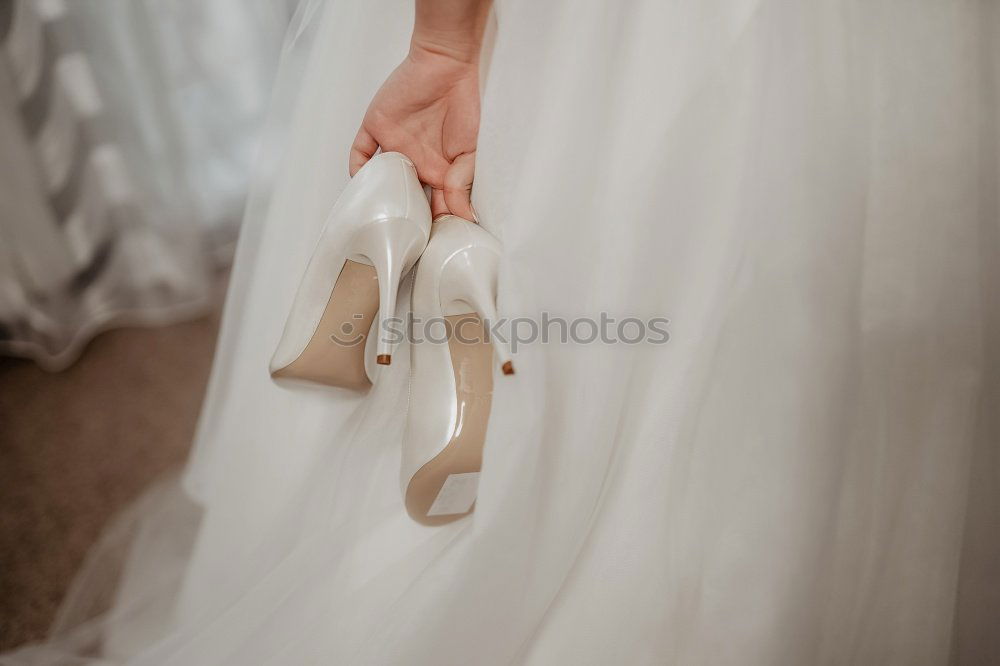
<point>376,233</point>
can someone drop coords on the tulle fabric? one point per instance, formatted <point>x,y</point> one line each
<point>803,474</point>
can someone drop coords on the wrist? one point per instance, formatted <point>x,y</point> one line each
<point>451,29</point>
<point>434,46</point>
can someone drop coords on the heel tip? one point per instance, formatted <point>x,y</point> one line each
<point>383,359</point>
<point>508,368</point>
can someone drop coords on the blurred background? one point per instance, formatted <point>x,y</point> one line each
<point>128,135</point>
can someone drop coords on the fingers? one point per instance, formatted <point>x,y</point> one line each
<point>458,185</point>
<point>431,167</point>
<point>455,178</point>
<point>438,206</point>
<point>364,147</point>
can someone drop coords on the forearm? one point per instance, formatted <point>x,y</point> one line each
<point>453,28</point>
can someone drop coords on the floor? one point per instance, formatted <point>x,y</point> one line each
<point>76,446</point>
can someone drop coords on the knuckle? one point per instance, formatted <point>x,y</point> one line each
<point>458,179</point>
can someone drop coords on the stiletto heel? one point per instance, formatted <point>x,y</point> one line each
<point>469,282</point>
<point>373,237</point>
<point>451,384</point>
<point>391,246</point>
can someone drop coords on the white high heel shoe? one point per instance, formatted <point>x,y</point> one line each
<point>373,236</point>
<point>451,384</point>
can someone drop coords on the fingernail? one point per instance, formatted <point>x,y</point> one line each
<point>475,216</point>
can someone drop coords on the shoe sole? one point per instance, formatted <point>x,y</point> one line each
<point>335,354</point>
<point>472,363</point>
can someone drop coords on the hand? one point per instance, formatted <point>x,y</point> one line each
<point>428,109</point>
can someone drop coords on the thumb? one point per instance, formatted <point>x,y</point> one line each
<point>362,150</point>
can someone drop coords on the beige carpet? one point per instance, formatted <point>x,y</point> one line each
<point>77,446</point>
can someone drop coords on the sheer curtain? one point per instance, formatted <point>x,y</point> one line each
<point>127,130</point>
<point>806,474</point>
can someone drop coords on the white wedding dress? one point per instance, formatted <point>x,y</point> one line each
<point>807,473</point>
